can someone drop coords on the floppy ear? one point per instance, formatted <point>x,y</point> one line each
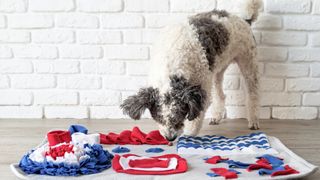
<point>194,97</point>
<point>135,105</point>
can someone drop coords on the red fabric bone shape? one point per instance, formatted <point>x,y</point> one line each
<point>181,167</point>
<point>225,173</point>
<point>260,164</point>
<point>136,136</point>
<point>215,159</point>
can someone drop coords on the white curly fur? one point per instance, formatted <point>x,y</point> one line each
<point>179,52</point>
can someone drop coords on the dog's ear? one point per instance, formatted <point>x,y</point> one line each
<point>194,97</point>
<point>135,105</point>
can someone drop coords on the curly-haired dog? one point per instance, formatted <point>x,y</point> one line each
<point>187,71</point>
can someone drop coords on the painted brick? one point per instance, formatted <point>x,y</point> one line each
<point>79,82</point>
<point>126,52</point>
<point>137,68</point>
<point>288,6</point>
<point>5,52</point>
<point>315,70</point>
<point>271,84</point>
<point>311,23</point>
<point>99,37</point>
<point>284,38</point>
<point>147,5</point>
<point>303,84</point>
<point>51,5</point>
<point>109,67</point>
<point>280,99</point>
<point>11,6</point>
<point>233,69</point>
<point>30,21</point>
<point>122,21</point>
<point>33,81</point>
<point>315,39</point>
<point>294,112</point>
<point>18,112</point>
<point>99,5</point>
<point>268,22</point>
<point>234,112</point>
<point>35,52</point>
<point>4,82</point>
<point>10,67</point>
<point>13,36</point>
<point>272,54</point>
<point>88,67</point>
<point>109,98</point>
<point>58,67</point>
<point>124,83</point>
<point>3,22</point>
<point>74,112</point>
<point>15,98</point>
<point>311,99</point>
<point>162,20</point>
<point>73,20</point>
<point>140,36</point>
<point>192,5</point>
<point>53,36</point>
<point>235,98</point>
<point>231,82</point>
<point>316,7</point>
<point>287,70</point>
<point>80,52</point>
<point>55,98</point>
<point>304,54</point>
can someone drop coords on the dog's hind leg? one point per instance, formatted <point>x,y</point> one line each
<point>218,99</point>
<point>250,72</point>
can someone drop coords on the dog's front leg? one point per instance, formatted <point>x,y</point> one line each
<point>192,127</point>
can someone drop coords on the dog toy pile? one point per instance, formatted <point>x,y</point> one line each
<point>255,143</point>
<point>135,137</point>
<point>67,153</point>
<point>160,165</point>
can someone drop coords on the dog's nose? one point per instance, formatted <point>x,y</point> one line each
<point>171,138</point>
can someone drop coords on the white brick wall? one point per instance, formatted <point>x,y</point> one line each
<point>81,58</point>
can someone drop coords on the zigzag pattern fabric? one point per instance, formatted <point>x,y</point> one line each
<point>255,143</point>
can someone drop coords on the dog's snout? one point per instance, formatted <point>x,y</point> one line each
<point>171,138</point>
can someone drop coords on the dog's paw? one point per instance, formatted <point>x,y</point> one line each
<point>214,121</point>
<point>254,125</point>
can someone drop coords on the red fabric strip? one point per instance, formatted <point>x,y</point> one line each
<point>136,136</point>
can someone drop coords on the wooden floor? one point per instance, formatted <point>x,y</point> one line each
<point>19,136</point>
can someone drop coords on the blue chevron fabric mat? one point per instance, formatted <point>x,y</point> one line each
<point>254,143</point>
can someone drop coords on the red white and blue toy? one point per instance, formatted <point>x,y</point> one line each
<point>67,153</point>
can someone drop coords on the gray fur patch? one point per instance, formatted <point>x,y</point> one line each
<point>135,105</point>
<point>186,100</point>
<point>213,36</point>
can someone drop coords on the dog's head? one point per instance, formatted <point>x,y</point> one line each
<point>170,109</point>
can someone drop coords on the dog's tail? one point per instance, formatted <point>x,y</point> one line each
<point>250,10</point>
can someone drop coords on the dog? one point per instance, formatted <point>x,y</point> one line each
<point>187,70</point>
